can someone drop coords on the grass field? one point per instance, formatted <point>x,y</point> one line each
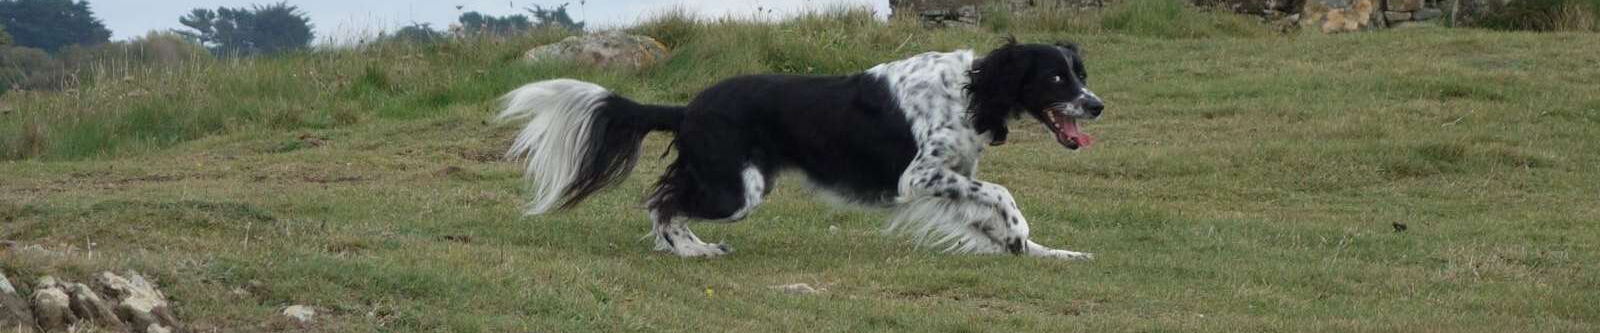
<point>1243,182</point>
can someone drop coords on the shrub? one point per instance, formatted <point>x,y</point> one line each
<point>154,49</point>
<point>30,68</point>
<point>1542,15</point>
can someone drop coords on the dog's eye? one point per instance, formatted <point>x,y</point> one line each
<point>1055,79</point>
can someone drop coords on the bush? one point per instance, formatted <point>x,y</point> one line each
<point>30,68</point>
<point>154,49</point>
<point>1543,15</point>
<point>419,33</point>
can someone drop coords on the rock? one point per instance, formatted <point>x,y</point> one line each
<point>88,306</point>
<point>139,304</point>
<point>1404,5</point>
<point>1397,16</point>
<point>51,307</point>
<point>5,285</point>
<point>1334,16</point>
<point>1427,14</point>
<point>605,49</point>
<point>300,313</point>
<point>15,313</point>
<point>796,289</point>
<point>1250,7</point>
<point>966,16</point>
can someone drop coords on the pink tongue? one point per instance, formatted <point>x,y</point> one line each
<point>1068,130</point>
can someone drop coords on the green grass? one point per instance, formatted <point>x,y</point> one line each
<point>1240,184</point>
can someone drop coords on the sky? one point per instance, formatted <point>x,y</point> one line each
<point>342,20</point>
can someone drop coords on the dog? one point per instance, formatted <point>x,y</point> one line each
<point>904,135</point>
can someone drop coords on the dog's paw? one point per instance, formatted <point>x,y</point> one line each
<point>701,250</point>
<point>1065,255</point>
<point>1036,250</point>
<point>1069,255</point>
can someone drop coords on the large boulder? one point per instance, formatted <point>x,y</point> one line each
<point>1333,16</point>
<point>606,49</point>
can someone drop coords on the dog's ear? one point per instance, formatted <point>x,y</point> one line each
<point>996,82</point>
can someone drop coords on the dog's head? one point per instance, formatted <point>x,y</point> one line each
<point>1047,82</point>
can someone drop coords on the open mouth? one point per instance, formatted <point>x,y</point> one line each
<point>1066,130</point>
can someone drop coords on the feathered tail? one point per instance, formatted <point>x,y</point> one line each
<point>580,138</point>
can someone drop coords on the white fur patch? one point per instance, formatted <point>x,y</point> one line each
<point>755,186</point>
<point>560,115</point>
<point>940,222</point>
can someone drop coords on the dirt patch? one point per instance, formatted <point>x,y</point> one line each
<point>325,179</point>
<point>480,155</point>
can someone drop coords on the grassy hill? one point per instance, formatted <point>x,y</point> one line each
<point>1244,181</point>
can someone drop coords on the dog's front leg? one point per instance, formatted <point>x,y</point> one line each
<point>976,216</point>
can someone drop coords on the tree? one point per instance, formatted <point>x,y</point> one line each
<point>249,31</point>
<point>52,24</point>
<point>418,33</point>
<point>555,17</point>
<point>477,23</point>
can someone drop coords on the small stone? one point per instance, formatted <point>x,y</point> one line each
<point>1427,14</point>
<point>833,228</point>
<point>300,313</point>
<point>5,285</point>
<point>1397,16</point>
<point>88,306</point>
<point>154,328</point>
<point>14,311</point>
<point>796,289</point>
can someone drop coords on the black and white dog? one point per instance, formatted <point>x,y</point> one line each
<point>905,135</point>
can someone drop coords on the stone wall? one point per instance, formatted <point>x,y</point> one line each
<point>1327,16</point>
<point>967,13</point>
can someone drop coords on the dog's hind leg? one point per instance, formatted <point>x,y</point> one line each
<point>673,235</point>
<point>704,191</point>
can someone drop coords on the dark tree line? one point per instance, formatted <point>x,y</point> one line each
<point>475,23</point>
<point>51,25</point>
<point>250,31</point>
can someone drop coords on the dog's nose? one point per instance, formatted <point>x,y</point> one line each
<point>1095,107</point>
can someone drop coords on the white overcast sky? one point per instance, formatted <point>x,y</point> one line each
<point>344,19</point>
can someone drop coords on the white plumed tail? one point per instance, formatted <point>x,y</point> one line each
<point>560,117</point>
